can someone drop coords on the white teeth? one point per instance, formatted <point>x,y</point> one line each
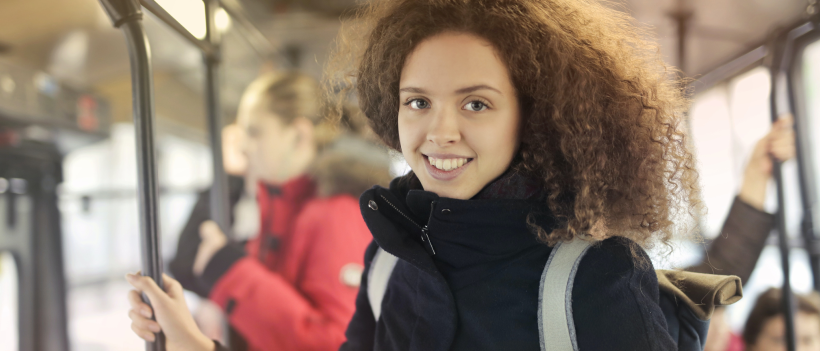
<point>448,164</point>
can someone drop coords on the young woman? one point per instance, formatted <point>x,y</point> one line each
<point>293,286</point>
<point>527,124</point>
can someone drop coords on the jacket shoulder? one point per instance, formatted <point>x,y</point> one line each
<point>615,299</point>
<point>617,256</point>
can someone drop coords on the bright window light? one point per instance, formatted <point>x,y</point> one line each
<point>223,21</point>
<point>711,128</point>
<point>189,13</point>
<point>811,86</point>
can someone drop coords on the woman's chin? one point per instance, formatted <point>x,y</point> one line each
<point>452,191</point>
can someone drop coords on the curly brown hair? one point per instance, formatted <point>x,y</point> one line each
<point>601,113</point>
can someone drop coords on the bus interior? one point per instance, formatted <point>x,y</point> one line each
<point>69,174</point>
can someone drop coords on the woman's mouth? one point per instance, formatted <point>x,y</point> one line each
<point>442,168</point>
<point>447,164</point>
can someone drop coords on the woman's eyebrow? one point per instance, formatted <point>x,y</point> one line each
<point>413,90</point>
<point>473,88</point>
<point>465,90</point>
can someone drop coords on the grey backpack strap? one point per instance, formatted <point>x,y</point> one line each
<point>377,278</point>
<point>555,323</point>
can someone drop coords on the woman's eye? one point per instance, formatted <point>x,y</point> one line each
<point>418,104</point>
<point>475,106</point>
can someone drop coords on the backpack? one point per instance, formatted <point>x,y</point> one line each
<point>687,321</point>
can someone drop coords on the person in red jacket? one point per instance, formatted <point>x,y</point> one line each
<point>293,286</point>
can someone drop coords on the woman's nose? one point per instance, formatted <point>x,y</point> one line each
<point>444,128</point>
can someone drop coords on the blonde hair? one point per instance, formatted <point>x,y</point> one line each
<point>291,95</point>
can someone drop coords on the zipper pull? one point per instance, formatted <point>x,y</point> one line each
<point>426,238</point>
<point>424,230</point>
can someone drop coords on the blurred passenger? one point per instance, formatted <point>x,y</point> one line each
<point>293,286</point>
<point>747,226</point>
<point>244,216</point>
<point>765,328</point>
<point>236,168</point>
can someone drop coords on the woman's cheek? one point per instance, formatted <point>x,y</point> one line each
<point>405,137</point>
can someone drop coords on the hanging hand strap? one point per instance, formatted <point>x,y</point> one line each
<point>377,278</point>
<point>555,323</point>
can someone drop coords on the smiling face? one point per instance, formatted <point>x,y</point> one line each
<point>459,115</point>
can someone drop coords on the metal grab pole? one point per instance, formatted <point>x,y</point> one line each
<point>219,190</point>
<point>127,14</point>
<point>775,56</point>
<point>808,192</point>
<point>219,200</point>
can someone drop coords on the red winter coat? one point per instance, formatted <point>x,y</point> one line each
<point>295,284</point>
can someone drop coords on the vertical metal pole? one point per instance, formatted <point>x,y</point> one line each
<point>805,165</point>
<point>127,15</point>
<point>783,239</point>
<point>219,190</point>
<point>219,200</point>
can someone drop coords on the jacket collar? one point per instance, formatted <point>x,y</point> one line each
<point>407,221</point>
<point>293,190</point>
<point>280,204</point>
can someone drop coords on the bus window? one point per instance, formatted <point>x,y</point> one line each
<point>726,121</point>
<point>710,124</point>
<point>811,92</point>
<point>8,301</point>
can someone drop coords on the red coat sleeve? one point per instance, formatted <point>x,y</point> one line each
<point>273,314</point>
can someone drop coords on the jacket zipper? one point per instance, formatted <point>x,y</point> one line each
<point>424,230</point>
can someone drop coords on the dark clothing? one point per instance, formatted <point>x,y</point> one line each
<point>181,266</point>
<point>686,329</point>
<point>474,283</point>
<point>736,250</point>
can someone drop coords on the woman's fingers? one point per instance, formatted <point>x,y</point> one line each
<point>209,230</point>
<point>143,327</point>
<point>170,311</point>
<point>784,121</point>
<point>143,333</point>
<point>148,287</point>
<point>139,321</point>
<point>135,299</point>
<point>172,286</point>
<point>783,149</point>
<point>782,143</point>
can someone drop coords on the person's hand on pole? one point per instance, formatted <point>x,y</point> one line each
<point>213,239</point>
<point>172,315</point>
<point>778,145</point>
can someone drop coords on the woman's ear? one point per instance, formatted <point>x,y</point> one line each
<point>304,129</point>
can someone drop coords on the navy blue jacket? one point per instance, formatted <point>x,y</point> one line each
<point>474,284</point>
